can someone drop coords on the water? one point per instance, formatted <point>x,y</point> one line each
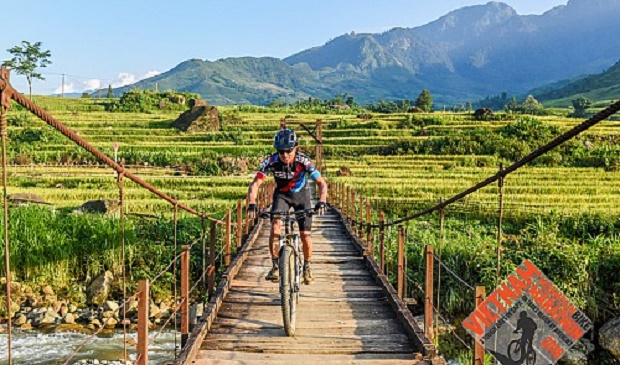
<point>36,348</point>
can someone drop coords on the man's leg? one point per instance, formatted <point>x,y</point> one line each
<point>279,204</point>
<point>276,227</point>
<point>306,239</point>
<point>274,273</point>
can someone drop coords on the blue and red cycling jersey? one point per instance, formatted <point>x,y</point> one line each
<point>289,178</point>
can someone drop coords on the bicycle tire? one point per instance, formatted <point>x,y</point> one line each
<point>530,359</point>
<point>287,289</point>
<point>514,347</point>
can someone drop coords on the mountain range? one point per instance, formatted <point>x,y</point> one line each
<point>465,55</point>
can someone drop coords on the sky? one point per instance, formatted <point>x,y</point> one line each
<point>118,42</point>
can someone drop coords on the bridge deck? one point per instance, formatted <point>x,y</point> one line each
<point>344,317</point>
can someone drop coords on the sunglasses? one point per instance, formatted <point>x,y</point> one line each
<point>282,152</point>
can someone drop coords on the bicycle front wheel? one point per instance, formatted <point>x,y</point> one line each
<point>287,289</point>
<point>514,350</point>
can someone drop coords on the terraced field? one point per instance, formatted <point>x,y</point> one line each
<point>225,159</point>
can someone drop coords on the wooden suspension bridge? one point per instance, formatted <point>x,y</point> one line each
<point>350,315</point>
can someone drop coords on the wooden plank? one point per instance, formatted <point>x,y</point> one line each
<point>210,357</point>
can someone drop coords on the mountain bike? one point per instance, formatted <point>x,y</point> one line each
<point>290,266</point>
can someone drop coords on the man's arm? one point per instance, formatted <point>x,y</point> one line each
<point>253,190</point>
<point>322,184</point>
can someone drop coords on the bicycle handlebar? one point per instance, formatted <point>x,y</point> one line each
<point>286,216</point>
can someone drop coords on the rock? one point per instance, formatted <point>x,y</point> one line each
<point>574,357</point>
<point>26,326</point>
<point>102,206</point>
<point>609,337</point>
<point>110,323</point>
<point>2,330</point>
<point>154,311</point>
<point>68,318</point>
<point>63,310</point>
<point>110,306</point>
<point>72,328</point>
<point>15,287</point>
<point>97,292</point>
<point>73,308</point>
<point>20,320</point>
<point>199,118</point>
<point>108,314</point>
<point>484,114</point>
<point>47,290</point>
<point>95,322</point>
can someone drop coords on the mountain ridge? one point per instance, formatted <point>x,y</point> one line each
<point>466,54</point>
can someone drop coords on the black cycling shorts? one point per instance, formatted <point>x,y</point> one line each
<point>283,202</point>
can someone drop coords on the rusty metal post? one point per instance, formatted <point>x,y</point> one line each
<point>360,218</point>
<point>121,209</point>
<point>345,195</point>
<point>382,241</point>
<point>184,294</point>
<point>227,239</point>
<point>442,216</point>
<point>351,209</point>
<point>342,199</point>
<point>204,253</point>
<point>500,214</point>
<point>369,244</point>
<point>428,293</point>
<point>5,104</point>
<point>478,348</point>
<point>239,224</point>
<point>401,262</point>
<point>212,243</point>
<point>143,323</point>
<point>247,220</point>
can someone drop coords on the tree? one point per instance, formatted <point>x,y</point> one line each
<point>512,105</point>
<point>531,105</point>
<point>425,101</point>
<point>110,92</point>
<point>581,104</point>
<point>26,59</point>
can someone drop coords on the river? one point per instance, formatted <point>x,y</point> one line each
<point>36,348</point>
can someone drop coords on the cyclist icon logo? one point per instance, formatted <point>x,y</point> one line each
<point>521,350</point>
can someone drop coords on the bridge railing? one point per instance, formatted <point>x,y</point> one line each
<point>220,242</point>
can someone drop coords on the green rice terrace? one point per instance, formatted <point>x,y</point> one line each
<point>561,211</point>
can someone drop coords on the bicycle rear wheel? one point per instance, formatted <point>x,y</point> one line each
<point>287,289</point>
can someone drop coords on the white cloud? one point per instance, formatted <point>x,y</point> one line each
<point>124,78</point>
<point>93,84</point>
<point>150,74</point>
<point>69,88</point>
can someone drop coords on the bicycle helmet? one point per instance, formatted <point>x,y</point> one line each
<point>285,139</point>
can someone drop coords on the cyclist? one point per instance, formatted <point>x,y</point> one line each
<point>528,327</point>
<point>289,167</point>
